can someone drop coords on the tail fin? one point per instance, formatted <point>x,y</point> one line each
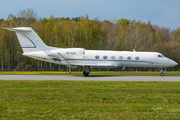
<point>29,40</point>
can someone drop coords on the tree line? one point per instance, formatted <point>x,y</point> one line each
<point>82,32</point>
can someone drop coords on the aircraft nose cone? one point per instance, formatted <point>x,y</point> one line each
<point>174,63</point>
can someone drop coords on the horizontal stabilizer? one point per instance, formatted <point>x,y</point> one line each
<point>27,29</point>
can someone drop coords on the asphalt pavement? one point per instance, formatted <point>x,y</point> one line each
<point>89,78</point>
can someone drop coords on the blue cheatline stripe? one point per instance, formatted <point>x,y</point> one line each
<point>31,42</point>
<point>110,60</point>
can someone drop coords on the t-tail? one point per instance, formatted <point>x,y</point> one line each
<point>29,40</point>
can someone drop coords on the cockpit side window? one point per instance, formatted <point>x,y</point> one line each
<point>159,56</point>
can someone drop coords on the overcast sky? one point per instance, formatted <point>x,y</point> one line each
<point>164,13</point>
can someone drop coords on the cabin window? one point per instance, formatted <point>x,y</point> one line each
<point>105,57</point>
<point>129,58</point>
<point>137,58</point>
<point>97,56</point>
<point>113,57</point>
<point>121,57</point>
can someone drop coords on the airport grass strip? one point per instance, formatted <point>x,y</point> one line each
<point>89,100</point>
<point>124,73</point>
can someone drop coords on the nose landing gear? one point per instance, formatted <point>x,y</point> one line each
<point>162,73</point>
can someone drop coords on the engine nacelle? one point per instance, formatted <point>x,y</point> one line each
<point>70,53</point>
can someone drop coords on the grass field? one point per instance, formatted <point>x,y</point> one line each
<point>89,100</point>
<point>131,73</point>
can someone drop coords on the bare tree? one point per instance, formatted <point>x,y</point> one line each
<point>26,17</point>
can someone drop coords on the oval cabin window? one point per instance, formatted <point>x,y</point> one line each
<point>105,57</point>
<point>113,57</point>
<point>121,57</point>
<point>137,58</point>
<point>129,58</point>
<point>97,57</point>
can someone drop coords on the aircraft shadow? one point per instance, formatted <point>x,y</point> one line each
<point>99,76</point>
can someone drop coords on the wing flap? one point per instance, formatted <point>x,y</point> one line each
<point>95,65</point>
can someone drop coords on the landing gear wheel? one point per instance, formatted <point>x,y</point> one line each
<point>162,74</point>
<point>85,73</point>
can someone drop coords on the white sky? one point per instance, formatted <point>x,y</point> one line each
<point>164,13</point>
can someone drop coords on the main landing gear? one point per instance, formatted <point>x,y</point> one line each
<point>85,73</point>
<point>87,70</point>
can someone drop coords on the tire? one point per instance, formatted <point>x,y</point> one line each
<point>162,74</point>
<point>85,74</point>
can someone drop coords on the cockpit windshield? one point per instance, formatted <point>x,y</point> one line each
<point>161,56</point>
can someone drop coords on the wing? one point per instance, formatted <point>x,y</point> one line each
<point>65,62</point>
<point>94,65</point>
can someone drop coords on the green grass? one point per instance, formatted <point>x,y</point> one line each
<point>89,100</point>
<point>134,73</point>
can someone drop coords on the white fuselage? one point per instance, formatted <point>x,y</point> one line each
<point>104,58</point>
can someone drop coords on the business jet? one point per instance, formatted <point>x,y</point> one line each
<point>34,47</point>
